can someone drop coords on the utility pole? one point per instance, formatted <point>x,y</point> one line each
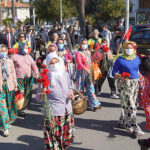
<point>13,9</point>
<point>0,13</point>
<point>60,11</point>
<point>127,16</point>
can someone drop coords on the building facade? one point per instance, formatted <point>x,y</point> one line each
<point>22,10</point>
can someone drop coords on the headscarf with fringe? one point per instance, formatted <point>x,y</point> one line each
<point>4,65</point>
<point>124,55</point>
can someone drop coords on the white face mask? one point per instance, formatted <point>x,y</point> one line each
<point>129,51</point>
<point>84,46</point>
<point>26,50</point>
<point>54,67</point>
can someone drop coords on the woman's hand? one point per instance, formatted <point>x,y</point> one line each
<point>16,89</point>
<point>42,95</point>
<point>118,76</point>
<point>68,61</point>
<point>87,71</point>
<point>37,76</point>
<point>71,96</point>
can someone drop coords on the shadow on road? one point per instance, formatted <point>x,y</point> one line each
<point>109,127</point>
<point>29,143</point>
<point>76,148</point>
<point>31,121</point>
<point>110,105</point>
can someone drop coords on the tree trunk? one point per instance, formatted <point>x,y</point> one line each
<point>82,15</point>
<point>13,9</point>
<point>31,11</point>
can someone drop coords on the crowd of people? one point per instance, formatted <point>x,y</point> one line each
<point>70,61</point>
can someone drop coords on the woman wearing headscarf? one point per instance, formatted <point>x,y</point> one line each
<point>63,53</point>
<point>25,66</point>
<point>59,131</point>
<point>83,60</point>
<point>8,86</point>
<point>126,70</point>
<point>20,44</point>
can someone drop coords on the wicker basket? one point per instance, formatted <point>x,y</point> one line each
<point>79,106</point>
<point>21,104</point>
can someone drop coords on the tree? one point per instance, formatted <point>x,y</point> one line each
<point>82,15</point>
<point>110,9</point>
<point>49,10</point>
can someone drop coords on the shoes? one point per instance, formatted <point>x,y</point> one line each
<point>96,108</point>
<point>114,96</point>
<point>6,133</point>
<point>139,133</point>
<point>10,126</point>
<point>22,114</point>
<point>99,94</point>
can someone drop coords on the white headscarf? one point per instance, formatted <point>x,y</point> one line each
<point>54,74</point>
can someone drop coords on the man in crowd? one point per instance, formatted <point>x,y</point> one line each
<point>8,38</point>
<point>31,39</point>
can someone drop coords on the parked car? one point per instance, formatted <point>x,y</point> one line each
<point>142,38</point>
<point>140,27</point>
<point>119,34</point>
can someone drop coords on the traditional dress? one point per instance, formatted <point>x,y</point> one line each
<point>25,65</point>
<point>8,82</point>
<point>83,60</point>
<point>145,96</point>
<point>128,90</point>
<point>58,117</point>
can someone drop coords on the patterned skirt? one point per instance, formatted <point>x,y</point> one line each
<point>59,133</point>
<point>25,86</point>
<point>8,110</point>
<point>128,93</point>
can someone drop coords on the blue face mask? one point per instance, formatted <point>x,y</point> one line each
<point>3,54</point>
<point>60,46</point>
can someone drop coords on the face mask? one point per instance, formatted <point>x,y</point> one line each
<point>84,46</point>
<point>26,50</point>
<point>60,46</point>
<point>55,67</point>
<point>3,54</point>
<point>129,51</point>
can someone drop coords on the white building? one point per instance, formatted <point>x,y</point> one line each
<point>22,10</point>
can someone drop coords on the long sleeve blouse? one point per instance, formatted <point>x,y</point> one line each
<point>12,80</point>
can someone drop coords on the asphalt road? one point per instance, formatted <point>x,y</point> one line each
<point>94,130</point>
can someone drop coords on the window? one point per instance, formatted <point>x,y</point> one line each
<point>146,35</point>
<point>137,35</point>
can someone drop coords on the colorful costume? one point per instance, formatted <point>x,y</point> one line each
<point>8,82</point>
<point>128,89</point>
<point>83,60</point>
<point>59,127</point>
<point>20,45</point>
<point>145,96</point>
<point>94,43</point>
<point>24,65</point>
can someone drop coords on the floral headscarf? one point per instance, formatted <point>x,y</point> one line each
<point>4,65</point>
<point>124,55</point>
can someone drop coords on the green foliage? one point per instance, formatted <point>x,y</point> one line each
<point>18,23</point>
<point>7,21</point>
<point>26,21</point>
<point>49,10</point>
<point>111,9</point>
